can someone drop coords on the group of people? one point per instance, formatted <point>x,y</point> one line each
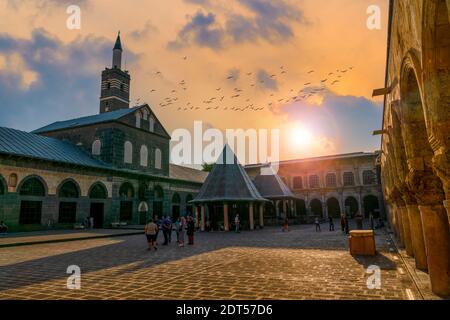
<point>181,227</point>
<point>345,223</point>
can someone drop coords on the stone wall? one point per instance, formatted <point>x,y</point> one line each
<point>416,141</point>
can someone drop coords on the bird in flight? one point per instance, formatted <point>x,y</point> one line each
<point>153,90</point>
<point>184,58</point>
<point>324,80</point>
<point>218,89</point>
<point>307,84</point>
<point>250,73</point>
<point>230,77</point>
<point>158,72</point>
<point>310,71</point>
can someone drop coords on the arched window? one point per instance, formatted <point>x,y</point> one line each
<point>96,147</point>
<point>151,122</point>
<point>331,180</point>
<point>369,177</point>
<point>128,152</point>
<point>144,156</point>
<point>69,190</point>
<point>349,179</point>
<point>176,199</point>
<point>126,190</point>
<point>138,119</point>
<point>297,183</point>
<point>31,210</point>
<point>68,209</point>
<point>314,181</point>
<point>98,191</point>
<point>2,187</point>
<point>158,159</point>
<point>32,187</point>
<point>145,114</point>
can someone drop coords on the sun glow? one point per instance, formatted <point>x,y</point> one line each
<point>301,137</point>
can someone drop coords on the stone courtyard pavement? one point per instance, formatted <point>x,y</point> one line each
<point>264,264</point>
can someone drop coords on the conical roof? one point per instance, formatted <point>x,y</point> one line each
<point>118,44</point>
<point>228,182</point>
<point>271,186</point>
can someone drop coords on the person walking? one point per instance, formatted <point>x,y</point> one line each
<point>182,230</point>
<point>330,219</point>
<point>177,229</point>
<point>166,226</point>
<point>342,223</point>
<point>190,230</point>
<point>286,225</point>
<point>371,221</point>
<point>158,223</point>
<point>237,223</point>
<point>151,230</point>
<point>3,227</point>
<point>347,227</point>
<point>170,228</point>
<point>317,223</point>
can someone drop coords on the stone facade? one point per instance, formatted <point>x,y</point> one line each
<point>416,142</point>
<point>329,186</point>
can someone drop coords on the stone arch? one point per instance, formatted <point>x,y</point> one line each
<point>176,206</point>
<point>333,207</point>
<point>3,186</point>
<point>371,204</point>
<point>351,206</point>
<point>126,194</point>
<point>29,186</point>
<point>158,200</point>
<point>68,188</point>
<point>126,190</point>
<point>98,191</point>
<point>316,207</point>
<point>300,206</point>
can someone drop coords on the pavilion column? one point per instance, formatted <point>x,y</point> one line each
<point>226,223</point>
<point>277,208</point>
<point>202,213</point>
<point>250,216</point>
<point>196,216</point>
<point>418,242</point>
<point>406,231</point>
<point>261,215</point>
<point>437,244</point>
<point>285,209</point>
<point>294,208</point>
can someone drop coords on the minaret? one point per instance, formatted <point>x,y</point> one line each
<point>115,88</point>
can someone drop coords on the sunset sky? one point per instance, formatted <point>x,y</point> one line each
<point>50,73</point>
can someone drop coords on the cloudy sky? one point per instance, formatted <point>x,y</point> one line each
<point>309,65</point>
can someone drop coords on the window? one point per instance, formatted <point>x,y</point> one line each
<point>126,210</point>
<point>314,181</point>
<point>108,85</point>
<point>151,126</point>
<point>128,152</point>
<point>145,114</point>
<point>96,147</point>
<point>144,156</point>
<point>158,159</point>
<point>369,177</point>
<point>138,119</point>
<point>349,179</point>
<point>98,191</point>
<point>122,87</point>
<point>30,212</point>
<point>126,190</point>
<point>32,187</point>
<point>331,180</point>
<point>67,212</point>
<point>297,183</point>
<point>68,190</point>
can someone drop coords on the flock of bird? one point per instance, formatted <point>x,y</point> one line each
<point>240,97</point>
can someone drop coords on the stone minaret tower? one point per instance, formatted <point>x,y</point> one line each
<point>115,90</point>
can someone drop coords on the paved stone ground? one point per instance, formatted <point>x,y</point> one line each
<point>58,235</point>
<point>265,264</point>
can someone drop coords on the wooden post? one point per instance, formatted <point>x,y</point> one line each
<point>226,224</point>
<point>196,217</point>
<point>250,213</point>
<point>261,214</point>
<point>202,226</point>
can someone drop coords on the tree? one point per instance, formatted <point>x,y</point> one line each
<point>207,167</point>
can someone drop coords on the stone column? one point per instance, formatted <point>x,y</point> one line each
<point>277,208</point>
<point>261,215</point>
<point>250,216</point>
<point>285,209</point>
<point>418,241</point>
<point>406,231</point>
<point>437,243</point>
<point>447,208</point>
<point>202,213</point>
<point>398,218</point>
